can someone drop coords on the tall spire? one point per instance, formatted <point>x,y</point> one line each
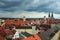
<point>49,14</point>
<point>52,15</point>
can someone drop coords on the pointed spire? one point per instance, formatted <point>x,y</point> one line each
<point>52,15</point>
<point>49,14</point>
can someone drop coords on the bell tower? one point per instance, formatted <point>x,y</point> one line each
<point>24,18</point>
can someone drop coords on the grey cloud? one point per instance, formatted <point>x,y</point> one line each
<point>30,5</point>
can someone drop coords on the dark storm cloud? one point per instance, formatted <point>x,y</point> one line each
<point>30,5</point>
<point>9,5</point>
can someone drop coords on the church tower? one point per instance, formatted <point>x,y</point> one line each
<point>49,16</point>
<point>52,16</point>
<point>24,18</point>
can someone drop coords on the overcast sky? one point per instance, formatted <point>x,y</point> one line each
<point>29,8</point>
